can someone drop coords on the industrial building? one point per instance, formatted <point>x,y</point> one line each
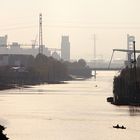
<point>16,48</point>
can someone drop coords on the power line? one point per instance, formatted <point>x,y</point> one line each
<point>68,26</point>
<point>18,28</point>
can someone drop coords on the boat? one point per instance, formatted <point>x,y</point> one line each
<point>119,127</point>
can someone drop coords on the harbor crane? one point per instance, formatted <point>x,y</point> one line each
<point>122,50</point>
<point>130,50</point>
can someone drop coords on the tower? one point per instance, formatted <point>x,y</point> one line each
<point>65,48</point>
<point>130,40</point>
<point>40,35</point>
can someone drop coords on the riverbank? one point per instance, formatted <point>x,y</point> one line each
<point>13,86</point>
<point>2,135</point>
<point>123,103</point>
<point>4,87</point>
<point>28,84</point>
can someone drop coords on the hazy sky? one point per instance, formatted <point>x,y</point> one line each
<point>110,20</point>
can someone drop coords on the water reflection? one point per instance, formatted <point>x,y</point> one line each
<point>134,111</point>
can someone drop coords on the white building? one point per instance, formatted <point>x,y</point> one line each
<point>15,48</point>
<point>65,48</point>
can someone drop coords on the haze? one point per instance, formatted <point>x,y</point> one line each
<point>110,20</point>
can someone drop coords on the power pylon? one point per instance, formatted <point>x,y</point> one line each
<point>40,35</point>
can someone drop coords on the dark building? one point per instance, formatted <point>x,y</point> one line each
<point>15,60</point>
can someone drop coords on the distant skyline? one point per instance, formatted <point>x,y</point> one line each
<point>110,20</point>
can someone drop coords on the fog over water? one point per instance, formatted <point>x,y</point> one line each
<point>110,20</point>
<point>74,111</point>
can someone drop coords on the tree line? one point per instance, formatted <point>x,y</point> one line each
<point>37,70</point>
<point>40,69</point>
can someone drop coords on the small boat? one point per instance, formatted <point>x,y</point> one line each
<point>119,127</point>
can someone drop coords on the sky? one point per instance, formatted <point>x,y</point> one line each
<point>109,20</point>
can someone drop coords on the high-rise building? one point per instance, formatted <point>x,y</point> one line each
<point>3,41</point>
<point>65,48</point>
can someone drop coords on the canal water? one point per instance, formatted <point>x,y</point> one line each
<point>74,111</point>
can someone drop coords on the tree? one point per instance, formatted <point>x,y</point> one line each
<point>82,62</point>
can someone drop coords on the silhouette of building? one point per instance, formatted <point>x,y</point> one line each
<point>15,60</point>
<point>65,48</point>
<point>16,48</point>
<point>3,41</point>
<point>55,55</point>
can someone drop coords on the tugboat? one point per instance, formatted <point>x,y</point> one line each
<point>3,136</point>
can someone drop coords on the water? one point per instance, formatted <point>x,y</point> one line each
<point>74,111</point>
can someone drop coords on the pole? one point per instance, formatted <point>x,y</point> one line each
<point>111,59</point>
<point>95,55</point>
<point>135,69</point>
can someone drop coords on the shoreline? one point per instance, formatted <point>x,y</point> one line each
<point>28,84</point>
<point>110,100</point>
<point>16,86</point>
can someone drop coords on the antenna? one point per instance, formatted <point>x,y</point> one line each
<point>40,35</point>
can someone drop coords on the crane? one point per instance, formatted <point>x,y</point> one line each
<point>121,50</point>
